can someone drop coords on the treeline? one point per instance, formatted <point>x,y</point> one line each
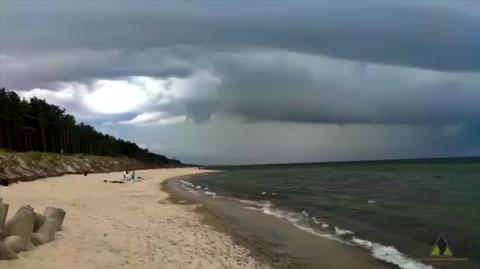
<point>35,125</point>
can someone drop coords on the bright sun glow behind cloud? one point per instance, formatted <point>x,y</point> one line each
<point>151,118</point>
<point>149,99</point>
<point>116,96</point>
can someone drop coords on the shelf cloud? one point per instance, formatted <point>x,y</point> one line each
<point>156,64</point>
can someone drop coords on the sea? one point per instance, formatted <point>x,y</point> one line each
<point>401,213</point>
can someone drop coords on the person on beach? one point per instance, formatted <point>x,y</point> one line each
<point>133,175</point>
<point>125,175</point>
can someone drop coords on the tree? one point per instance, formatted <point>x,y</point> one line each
<point>36,125</point>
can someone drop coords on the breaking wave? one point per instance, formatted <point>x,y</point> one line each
<point>315,226</point>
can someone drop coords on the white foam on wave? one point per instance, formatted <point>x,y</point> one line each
<point>252,208</point>
<point>316,221</point>
<point>390,254</point>
<point>187,184</point>
<point>387,254</point>
<point>319,222</point>
<point>297,219</point>
<point>324,235</point>
<point>243,201</point>
<point>339,231</point>
<point>294,217</point>
<point>273,212</point>
<point>210,193</point>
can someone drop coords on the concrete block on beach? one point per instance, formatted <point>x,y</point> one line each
<point>19,229</point>
<point>15,243</point>
<point>3,214</point>
<point>57,214</point>
<point>27,229</point>
<point>46,232</point>
<point>39,221</point>
<point>6,253</point>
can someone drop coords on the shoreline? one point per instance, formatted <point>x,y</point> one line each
<point>125,225</point>
<point>285,245</point>
<point>227,225</point>
<point>235,190</point>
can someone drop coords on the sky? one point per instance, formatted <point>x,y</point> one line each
<point>256,82</point>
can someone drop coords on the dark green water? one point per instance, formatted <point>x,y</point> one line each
<point>404,204</point>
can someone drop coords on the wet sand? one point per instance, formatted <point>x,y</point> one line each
<point>282,244</point>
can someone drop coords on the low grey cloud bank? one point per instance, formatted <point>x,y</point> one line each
<point>434,35</point>
<point>286,86</point>
<point>226,141</point>
<point>164,64</point>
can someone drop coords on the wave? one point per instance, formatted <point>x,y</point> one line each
<point>302,221</point>
<point>185,183</point>
<point>196,189</point>
<point>389,254</point>
<point>310,224</point>
<point>342,232</point>
<point>210,193</point>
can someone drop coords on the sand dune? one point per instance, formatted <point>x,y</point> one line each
<point>123,226</point>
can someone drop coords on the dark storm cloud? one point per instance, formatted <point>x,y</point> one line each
<point>287,81</point>
<point>437,35</point>
<point>292,87</point>
<point>82,65</point>
<point>317,62</point>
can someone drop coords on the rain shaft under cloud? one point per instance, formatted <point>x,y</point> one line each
<point>375,71</point>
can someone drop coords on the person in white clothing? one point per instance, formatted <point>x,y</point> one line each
<point>125,175</point>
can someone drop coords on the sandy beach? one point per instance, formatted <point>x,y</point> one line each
<point>131,225</point>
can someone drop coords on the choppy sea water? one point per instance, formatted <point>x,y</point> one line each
<point>394,210</point>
